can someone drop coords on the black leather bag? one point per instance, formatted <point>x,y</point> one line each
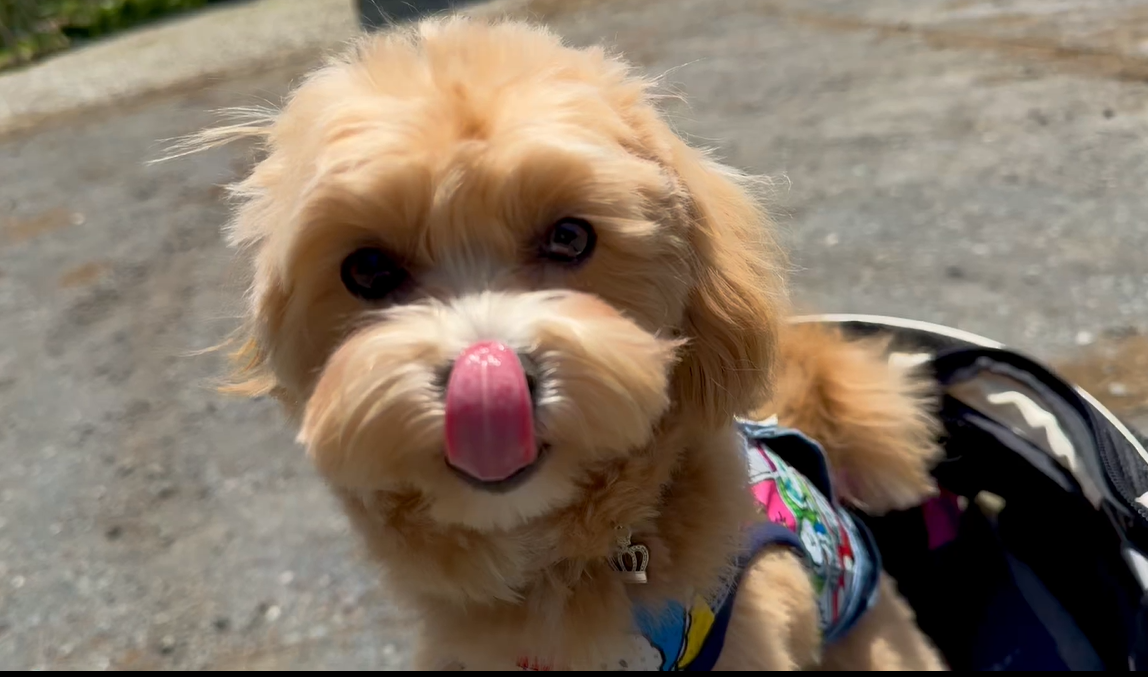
<point>1035,556</point>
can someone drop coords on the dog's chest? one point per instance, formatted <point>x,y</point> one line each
<point>841,558</point>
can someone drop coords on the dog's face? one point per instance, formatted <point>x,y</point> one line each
<point>486,270</point>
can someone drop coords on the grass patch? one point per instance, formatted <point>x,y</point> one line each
<point>32,29</point>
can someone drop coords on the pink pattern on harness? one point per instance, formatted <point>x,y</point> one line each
<point>942,518</point>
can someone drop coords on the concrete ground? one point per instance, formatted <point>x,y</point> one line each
<point>972,162</point>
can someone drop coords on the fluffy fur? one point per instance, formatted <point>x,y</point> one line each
<point>454,145</point>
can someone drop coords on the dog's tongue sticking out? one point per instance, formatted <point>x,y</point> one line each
<point>489,415</point>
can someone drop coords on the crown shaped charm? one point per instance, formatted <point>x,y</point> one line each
<point>630,560</point>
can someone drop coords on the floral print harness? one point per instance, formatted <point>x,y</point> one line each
<point>789,477</point>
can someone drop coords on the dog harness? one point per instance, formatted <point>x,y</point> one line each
<point>789,478</point>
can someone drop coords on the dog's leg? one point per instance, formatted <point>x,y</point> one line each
<point>774,624</point>
<point>875,420</point>
<point>886,638</point>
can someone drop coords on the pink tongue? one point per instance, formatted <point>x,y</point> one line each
<point>489,417</point>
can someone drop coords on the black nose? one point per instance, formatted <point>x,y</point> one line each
<point>533,376</point>
<point>529,367</point>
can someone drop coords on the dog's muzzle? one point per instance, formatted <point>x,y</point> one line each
<point>489,402</point>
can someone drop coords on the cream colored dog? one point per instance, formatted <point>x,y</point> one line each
<point>514,317</point>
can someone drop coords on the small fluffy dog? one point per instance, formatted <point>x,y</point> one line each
<point>514,317</point>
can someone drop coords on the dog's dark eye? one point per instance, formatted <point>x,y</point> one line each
<point>569,241</point>
<point>371,275</point>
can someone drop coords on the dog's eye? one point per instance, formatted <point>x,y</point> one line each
<point>371,275</point>
<point>569,241</point>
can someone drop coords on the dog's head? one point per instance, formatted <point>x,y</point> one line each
<point>485,268</point>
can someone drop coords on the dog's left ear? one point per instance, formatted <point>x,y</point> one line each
<point>735,306</point>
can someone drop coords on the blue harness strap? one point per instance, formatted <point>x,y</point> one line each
<point>761,536</point>
<point>804,455</point>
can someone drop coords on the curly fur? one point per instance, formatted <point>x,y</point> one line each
<point>453,144</point>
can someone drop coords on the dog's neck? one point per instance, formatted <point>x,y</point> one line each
<point>547,590</point>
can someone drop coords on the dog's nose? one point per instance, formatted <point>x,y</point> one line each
<point>529,367</point>
<point>489,406</point>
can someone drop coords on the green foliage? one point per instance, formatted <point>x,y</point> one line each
<point>33,28</point>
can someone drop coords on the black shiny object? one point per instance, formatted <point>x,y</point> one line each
<point>569,240</point>
<point>371,275</point>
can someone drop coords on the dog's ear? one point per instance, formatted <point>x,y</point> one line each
<point>735,306</point>
<point>249,375</point>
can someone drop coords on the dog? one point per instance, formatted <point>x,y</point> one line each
<point>518,323</point>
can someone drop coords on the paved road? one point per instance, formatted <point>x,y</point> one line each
<point>978,164</point>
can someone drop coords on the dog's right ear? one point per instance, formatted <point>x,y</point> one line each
<point>250,376</point>
<point>257,210</point>
<point>738,299</point>
<point>255,213</point>
<point>252,373</point>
